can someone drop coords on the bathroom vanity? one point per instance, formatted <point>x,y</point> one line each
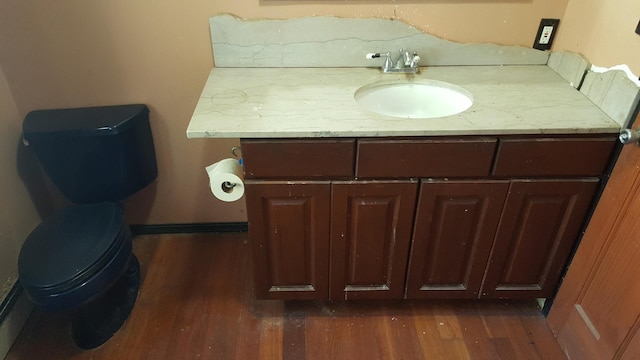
<point>423,217</point>
<point>344,203</point>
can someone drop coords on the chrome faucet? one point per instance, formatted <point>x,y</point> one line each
<point>407,62</point>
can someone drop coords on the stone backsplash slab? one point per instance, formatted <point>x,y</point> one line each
<point>571,66</point>
<point>343,42</point>
<point>614,93</point>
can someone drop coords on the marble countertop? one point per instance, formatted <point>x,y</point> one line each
<point>318,102</point>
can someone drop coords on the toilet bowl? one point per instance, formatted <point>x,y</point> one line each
<point>80,260</point>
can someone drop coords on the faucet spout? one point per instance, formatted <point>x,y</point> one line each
<point>407,62</point>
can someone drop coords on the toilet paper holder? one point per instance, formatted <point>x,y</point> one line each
<point>227,185</point>
<point>233,152</point>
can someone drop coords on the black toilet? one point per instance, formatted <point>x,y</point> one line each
<point>80,260</point>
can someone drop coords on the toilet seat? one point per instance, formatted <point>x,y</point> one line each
<point>74,255</point>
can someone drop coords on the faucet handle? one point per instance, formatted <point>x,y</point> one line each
<point>387,63</point>
<point>377,55</point>
<point>415,59</point>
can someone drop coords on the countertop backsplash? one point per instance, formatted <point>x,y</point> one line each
<point>343,42</point>
<point>330,42</point>
<point>612,91</point>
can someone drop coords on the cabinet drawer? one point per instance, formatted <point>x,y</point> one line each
<point>287,159</point>
<point>553,156</point>
<point>425,158</point>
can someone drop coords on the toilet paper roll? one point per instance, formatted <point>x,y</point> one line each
<point>225,179</point>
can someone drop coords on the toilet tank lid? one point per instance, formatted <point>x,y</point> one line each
<point>109,119</point>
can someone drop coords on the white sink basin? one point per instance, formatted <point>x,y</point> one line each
<point>421,99</point>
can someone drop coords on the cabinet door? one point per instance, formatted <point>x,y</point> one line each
<point>370,234</point>
<point>289,233</point>
<point>540,224</point>
<point>455,225</point>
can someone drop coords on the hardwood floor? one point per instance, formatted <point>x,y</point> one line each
<point>196,302</point>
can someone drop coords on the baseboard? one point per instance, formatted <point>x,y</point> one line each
<point>14,311</point>
<point>189,228</point>
<point>9,301</point>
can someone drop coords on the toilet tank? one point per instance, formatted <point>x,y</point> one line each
<point>94,154</point>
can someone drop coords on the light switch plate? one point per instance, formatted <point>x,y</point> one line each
<point>546,32</point>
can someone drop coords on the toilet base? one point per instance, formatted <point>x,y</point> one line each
<point>97,321</point>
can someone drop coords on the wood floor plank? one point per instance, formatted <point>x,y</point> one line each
<point>196,302</point>
<point>293,332</point>
<point>340,330</point>
<point>447,322</point>
<point>540,337</point>
<point>478,342</point>
<point>429,336</point>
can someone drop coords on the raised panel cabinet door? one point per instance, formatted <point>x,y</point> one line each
<point>370,234</point>
<point>455,226</point>
<point>540,224</point>
<point>289,234</point>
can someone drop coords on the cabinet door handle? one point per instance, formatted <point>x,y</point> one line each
<point>628,136</point>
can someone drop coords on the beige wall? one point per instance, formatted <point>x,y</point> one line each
<point>603,31</point>
<point>73,53</point>
<point>80,53</point>
<point>18,215</point>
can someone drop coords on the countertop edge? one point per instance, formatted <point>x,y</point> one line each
<point>318,103</point>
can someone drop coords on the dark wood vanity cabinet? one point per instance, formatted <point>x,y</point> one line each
<point>495,239</point>
<point>293,226</point>
<point>538,228</point>
<point>455,225</point>
<point>289,226</point>
<point>371,226</point>
<point>474,217</point>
